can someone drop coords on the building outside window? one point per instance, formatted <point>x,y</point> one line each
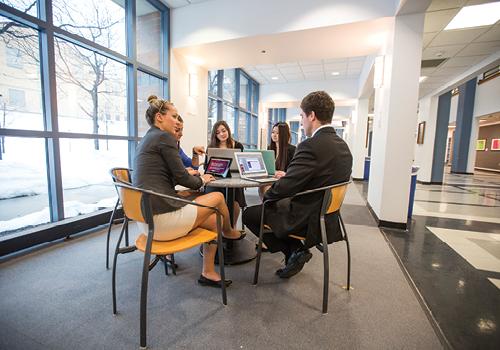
<point>59,138</point>
<point>294,131</point>
<point>233,96</point>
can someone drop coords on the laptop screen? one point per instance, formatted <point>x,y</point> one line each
<point>251,164</point>
<point>218,166</point>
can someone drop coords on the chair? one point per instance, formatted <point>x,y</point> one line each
<point>122,175</point>
<point>131,199</point>
<point>332,201</point>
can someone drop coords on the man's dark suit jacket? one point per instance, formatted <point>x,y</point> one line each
<point>321,160</point>
<point>158,167</point>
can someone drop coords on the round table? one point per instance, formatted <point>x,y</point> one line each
<point>241,251</point>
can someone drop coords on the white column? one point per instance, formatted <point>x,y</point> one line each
<point>395,118</point>
<point>358,138</point>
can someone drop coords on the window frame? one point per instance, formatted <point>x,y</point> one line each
<point>43,23</point>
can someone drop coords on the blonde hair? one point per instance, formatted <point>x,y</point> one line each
<point>156,105</point>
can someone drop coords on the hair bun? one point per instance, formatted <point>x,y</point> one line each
<point>151,98</point>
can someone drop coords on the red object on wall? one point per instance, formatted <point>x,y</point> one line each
<point>495,145</point>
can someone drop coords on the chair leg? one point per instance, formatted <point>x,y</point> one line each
<point>165,263</point>
<point>115,257</point>
<point>220,250</point>
<point>348,253</point>
<point>144,296</point>
<point>172,264</point>
<point>326,279</point>
<point>257,262</point>
<point>109,232</point>
<point>126,235</point>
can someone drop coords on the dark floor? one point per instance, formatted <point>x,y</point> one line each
<point>455,263</point>
<point>59,297</point>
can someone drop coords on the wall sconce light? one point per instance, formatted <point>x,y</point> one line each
<point>193,85</point>
<point>378,74</point>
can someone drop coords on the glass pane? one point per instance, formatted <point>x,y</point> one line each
<point>146,85</point>
<point>212,116</point>
<point>255,130</point>
<point>23,184</point>
<point>255,98</point>
<point>87,185</point>
<point>20,85</point>
<point>100,21</point>
<point>91,93</point>
<point>213,80</point>
<point>26,6</point>
<point>148,39</point>
<point>243,91</point>
<point>229,85</point>
<point>242,128</point>
<point>228,116</point>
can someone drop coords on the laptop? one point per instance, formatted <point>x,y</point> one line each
<point>252,167</point>
<point>269,159</point>
<point>218,167</point>
<point>224,153</point>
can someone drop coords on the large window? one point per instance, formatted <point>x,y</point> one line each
<point>294,131</point>
<point>73,93</point>
<point>234,97</point>
<point>275,115</point>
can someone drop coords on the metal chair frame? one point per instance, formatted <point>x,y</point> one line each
<point>323,246</point>
<point>113,214</point>
<point>147,264</point>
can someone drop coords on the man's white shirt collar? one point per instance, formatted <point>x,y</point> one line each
<point>321,127</point>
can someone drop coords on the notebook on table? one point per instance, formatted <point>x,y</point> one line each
<point>218,167</point>
<point>224,153</point>
<point>269,159</point>
<point>252,167</point>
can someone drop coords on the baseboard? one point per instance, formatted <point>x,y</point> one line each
<point>488,169</point>
<point>430,182</point>
<point>387,224</point>
<point>358,179</point>
<point>461,173</point>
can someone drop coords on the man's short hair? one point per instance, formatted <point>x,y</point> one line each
<point>322,105</point>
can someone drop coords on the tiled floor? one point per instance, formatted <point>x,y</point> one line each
<point>452,254</point>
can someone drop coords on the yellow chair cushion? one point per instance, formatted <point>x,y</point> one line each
<point>192,239</point>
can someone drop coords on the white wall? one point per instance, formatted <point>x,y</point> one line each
<point>193,109</point>
<point>220,20</point>
<point>487,99</point>
<point>453,109</point>
<point>424,152</point>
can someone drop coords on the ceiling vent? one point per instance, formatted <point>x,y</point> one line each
<point>432,63</point>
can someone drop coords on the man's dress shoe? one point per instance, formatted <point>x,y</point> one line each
<point>295,263</point>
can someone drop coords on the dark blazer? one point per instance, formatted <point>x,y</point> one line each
<point>290,151</point>
<point>321,160</point>
<point>158,167</point>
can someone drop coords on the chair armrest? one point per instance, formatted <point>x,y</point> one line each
<point>153,193</point>
<point>314,190</point>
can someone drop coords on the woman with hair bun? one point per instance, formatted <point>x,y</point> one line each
<point>158,167</point>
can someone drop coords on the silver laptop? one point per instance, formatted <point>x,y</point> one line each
<point>252,167</point>
<point>224,153</point>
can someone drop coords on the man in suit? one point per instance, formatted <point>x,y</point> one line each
<point>321,160</point>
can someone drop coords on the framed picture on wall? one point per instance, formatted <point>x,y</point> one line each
<point>495,145</point>
<point>480,145</point>
<point>421,133</point>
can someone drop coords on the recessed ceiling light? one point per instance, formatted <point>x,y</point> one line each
<point>263,51</point>
<point>274,78</point>
<point>335,73</point>
<point>476,16</point>
<point>422,78</point>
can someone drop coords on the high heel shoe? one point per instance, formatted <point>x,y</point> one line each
<point>242,235</point>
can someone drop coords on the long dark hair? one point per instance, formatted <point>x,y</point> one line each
<point>214,141</point>
<point>283,140</point>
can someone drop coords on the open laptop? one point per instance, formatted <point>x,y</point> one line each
<point>218,167</point>
<point>269,159</point>
<point>224,153</point>
<point>252,167</point>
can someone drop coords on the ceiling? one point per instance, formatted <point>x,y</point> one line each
<point>180,3</point>
<point>342,68</point>
<point>463,48</point>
